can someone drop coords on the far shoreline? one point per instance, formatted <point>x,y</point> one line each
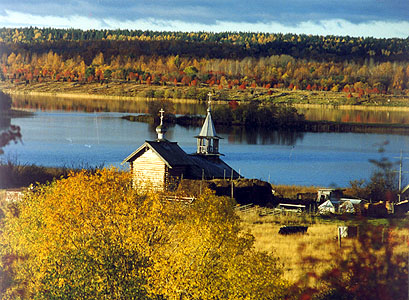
<point>297,99</point>
<point>79,96</point>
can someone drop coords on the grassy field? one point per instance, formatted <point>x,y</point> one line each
<point>310,252</point>
<point>320,241</point>
<point>129,90</point>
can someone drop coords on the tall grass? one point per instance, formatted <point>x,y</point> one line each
<point>291,191</point>
<point>14,174</point>
<point>319,241</point>
<point>304,254</point>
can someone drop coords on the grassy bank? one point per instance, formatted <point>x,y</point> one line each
<point>130,91</point>
<point>15,175</point>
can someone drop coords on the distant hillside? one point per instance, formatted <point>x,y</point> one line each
<point>359,67</point>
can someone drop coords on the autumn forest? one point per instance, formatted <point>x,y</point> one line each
<point>231,60</point>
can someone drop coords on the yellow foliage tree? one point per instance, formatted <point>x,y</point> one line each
<point>92,236</point>
<point>74,239</point>
<point>11,58</point>
<point>98,59</point>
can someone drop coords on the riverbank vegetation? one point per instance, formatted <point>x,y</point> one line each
<point>16,175</point>
<point>240,66</point>
<point>92,236</point>
<point>251,115</point>
<point>124,90</point>
<point>8,133</point>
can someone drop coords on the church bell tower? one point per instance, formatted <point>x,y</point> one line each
<point>207,140</point>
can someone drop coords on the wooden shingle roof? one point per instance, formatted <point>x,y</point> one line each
<point>170,152</point>
<point>210,167</point>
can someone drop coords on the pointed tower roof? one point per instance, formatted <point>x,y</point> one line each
<point>207,140</point>
<point>208,129</point>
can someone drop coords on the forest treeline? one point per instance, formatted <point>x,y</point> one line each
<point>222,44</point>
<point>223,60</point>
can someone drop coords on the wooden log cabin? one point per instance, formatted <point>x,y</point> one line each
<point>160,164</point>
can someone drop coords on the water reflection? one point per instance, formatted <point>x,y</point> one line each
<point>260,136</point>
<point>101,105</point>
<point>5,122</point>
<point>238,135</point>
<point>141,105</point>
<point>8,132</point>
<point>358,115</point>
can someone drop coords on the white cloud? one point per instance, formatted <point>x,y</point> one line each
<point>17,19</point>
<point>380,29</point>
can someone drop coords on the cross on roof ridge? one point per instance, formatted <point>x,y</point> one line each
<point>209,102</point>
<point>161,116</point>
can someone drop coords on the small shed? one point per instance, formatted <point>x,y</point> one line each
<point>326,208</point>
<point>346,207</point>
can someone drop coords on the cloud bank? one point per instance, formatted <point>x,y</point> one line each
<point>374,28</point>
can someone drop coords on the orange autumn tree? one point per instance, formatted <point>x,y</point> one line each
<point>91,236</point>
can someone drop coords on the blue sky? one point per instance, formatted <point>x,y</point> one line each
<point>378,18</point>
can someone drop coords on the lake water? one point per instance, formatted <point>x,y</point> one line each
<point>75,138</point>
